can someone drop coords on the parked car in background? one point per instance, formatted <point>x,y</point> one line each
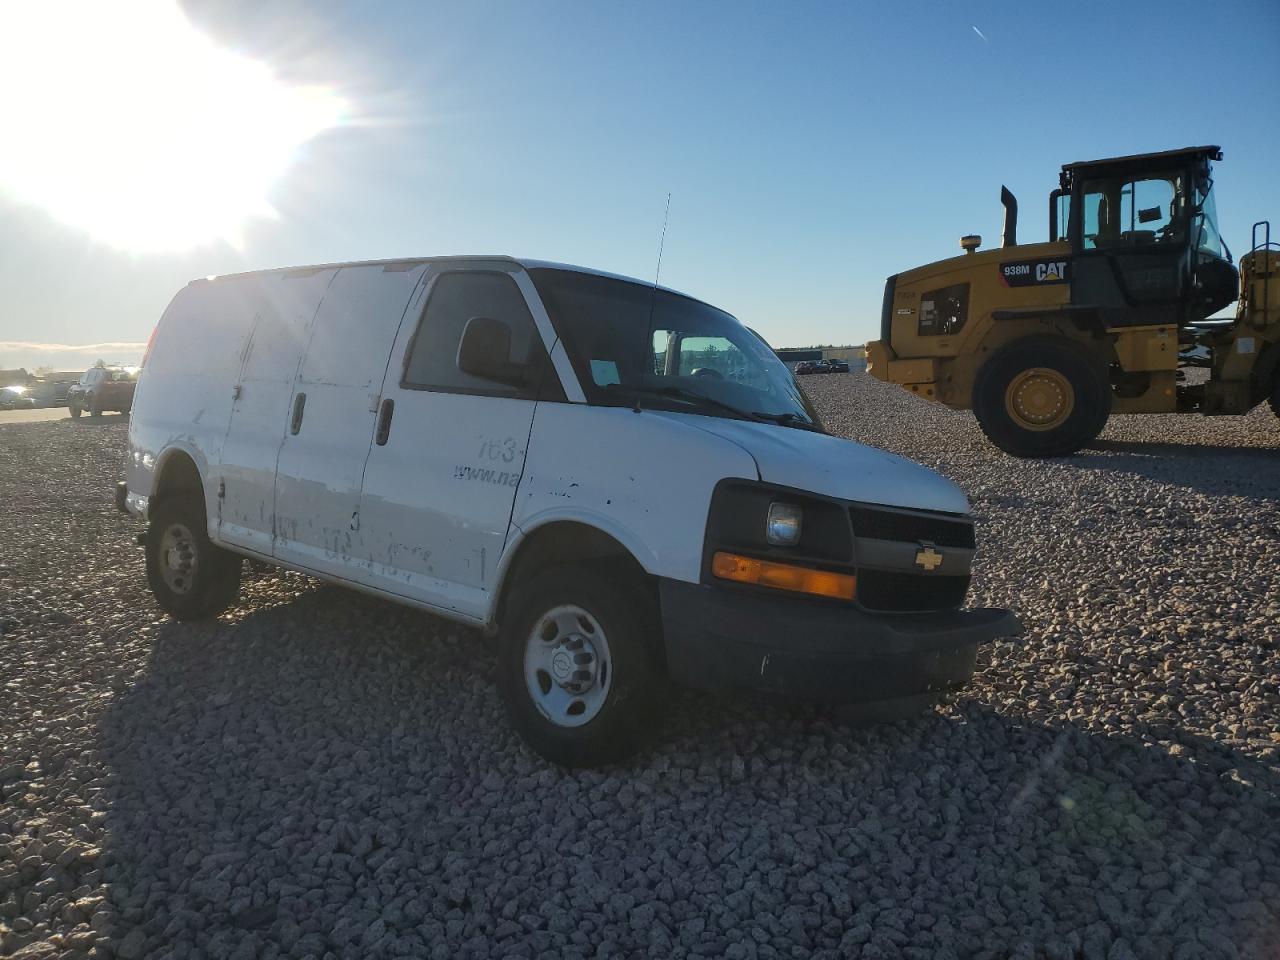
<point>51,393</point>
<point>837,365</point>
<point>812,366</point>
<point>102,389</point>
<point>16,398</point>
<point>803,367</point>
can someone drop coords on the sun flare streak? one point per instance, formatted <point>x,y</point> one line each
<point>126,122</point>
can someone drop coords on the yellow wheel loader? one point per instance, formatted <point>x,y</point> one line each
<point>1044,341</point>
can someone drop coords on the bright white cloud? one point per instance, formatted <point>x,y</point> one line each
<point>66,356</point>
<point>123,120</point>
<point>27,346</point>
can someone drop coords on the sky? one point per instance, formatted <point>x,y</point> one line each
<point>809,150</point>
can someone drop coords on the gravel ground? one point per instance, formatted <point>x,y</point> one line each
<point>318,773</point>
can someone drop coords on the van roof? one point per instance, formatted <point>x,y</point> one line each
<point>525,262</point>
<point>529,264</point>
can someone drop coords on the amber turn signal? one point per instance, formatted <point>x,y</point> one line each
<point>782,576</point>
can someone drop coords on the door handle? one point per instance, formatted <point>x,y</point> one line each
<point>299,404</point>
<point>384,422</point>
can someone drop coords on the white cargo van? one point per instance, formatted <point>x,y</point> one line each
<point>622,483</point>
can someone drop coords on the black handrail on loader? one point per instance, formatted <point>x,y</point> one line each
<point>1270,248</point>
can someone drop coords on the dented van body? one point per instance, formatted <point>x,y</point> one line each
<point>457,433</point>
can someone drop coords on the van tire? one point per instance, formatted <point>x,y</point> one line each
<point>212,578</point>
<point>625,711</point>
<point>74,409</point>
<point>1058,363</point>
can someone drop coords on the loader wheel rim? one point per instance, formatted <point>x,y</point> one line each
<point>1039,399</point>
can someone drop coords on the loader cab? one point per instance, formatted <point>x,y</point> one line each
<point>1144,237</point>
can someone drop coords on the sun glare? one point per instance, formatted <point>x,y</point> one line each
<point>123,120</point>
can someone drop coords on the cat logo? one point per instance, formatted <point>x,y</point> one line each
<point>1035,273</point>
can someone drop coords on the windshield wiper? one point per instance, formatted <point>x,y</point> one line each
<point>789,420</point>
<point>684,396</point>
<point>701,399</point>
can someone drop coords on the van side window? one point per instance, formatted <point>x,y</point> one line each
<point>457,297</point>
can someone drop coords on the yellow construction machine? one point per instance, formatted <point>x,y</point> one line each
<point>1044,341</point>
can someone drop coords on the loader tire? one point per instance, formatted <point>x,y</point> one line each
<point>1042,397</point>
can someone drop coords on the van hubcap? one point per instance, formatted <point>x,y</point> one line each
<point>1039,399</point>
<point>178,559</point>
<point>567,668</point>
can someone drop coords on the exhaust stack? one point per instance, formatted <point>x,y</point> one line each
<point>1010,236</point>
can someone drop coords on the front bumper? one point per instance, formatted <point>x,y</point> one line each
<point>133,504</point>
<point>720,639</point>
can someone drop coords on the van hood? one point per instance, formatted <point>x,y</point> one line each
<point>835,467</point>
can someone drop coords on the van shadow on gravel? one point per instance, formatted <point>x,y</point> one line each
<point>334,773</point>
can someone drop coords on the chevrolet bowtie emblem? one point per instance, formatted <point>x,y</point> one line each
<point>928,558</point>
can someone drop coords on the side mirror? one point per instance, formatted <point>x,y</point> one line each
<point>1148,214</point>
<point>485,351</point>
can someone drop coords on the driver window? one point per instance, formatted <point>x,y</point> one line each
<point>702,356</point>
<point>707,356</point>
<point>456,297</point>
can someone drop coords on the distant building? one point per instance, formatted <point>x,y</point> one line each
<point>856,355</point>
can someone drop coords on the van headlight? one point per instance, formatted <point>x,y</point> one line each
<point>782,528</point>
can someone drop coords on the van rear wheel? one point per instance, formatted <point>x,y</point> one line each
<point>576,668</point>
<point>192,579</point>
<point>1042,397</point>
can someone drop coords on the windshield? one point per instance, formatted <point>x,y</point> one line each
<point>627,341</point>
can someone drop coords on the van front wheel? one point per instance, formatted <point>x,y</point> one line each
<point>192,579</point>
<point>1042,397</point>
<point>576,669</point>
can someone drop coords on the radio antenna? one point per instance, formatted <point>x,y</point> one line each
<point>653,296</point>
<point>662,242</point>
